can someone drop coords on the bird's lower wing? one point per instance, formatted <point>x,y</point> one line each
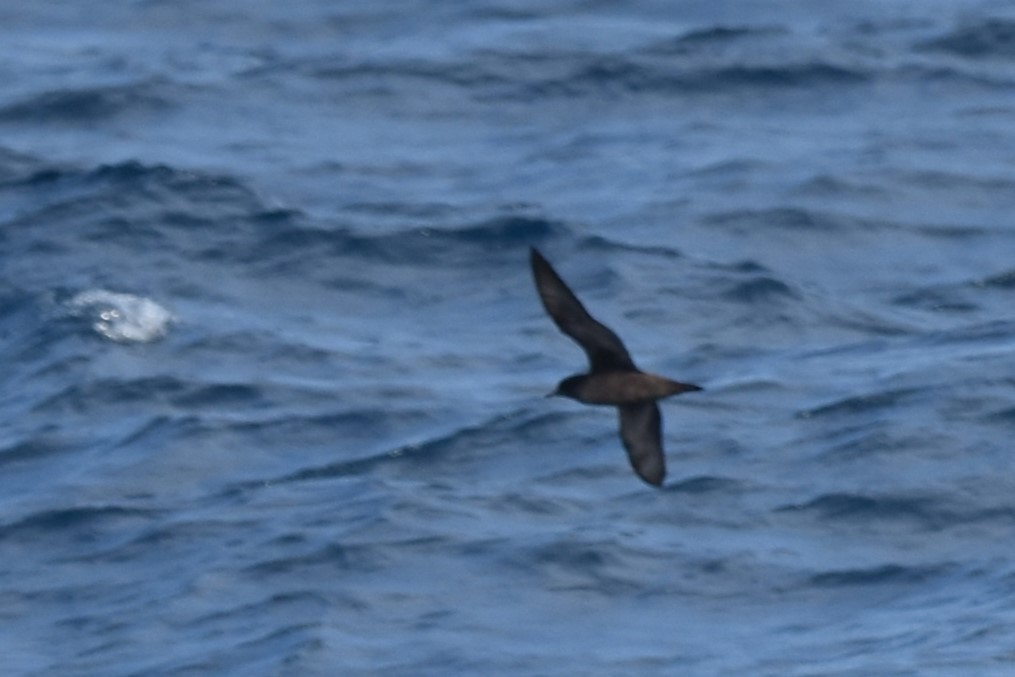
<point>641,431</point>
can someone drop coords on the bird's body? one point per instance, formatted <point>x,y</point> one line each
<point>612,379</point>
<point>621,387</point>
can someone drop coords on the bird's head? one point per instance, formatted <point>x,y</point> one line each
<point>569,387</point>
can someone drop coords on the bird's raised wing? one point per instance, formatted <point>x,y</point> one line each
<point>641,431</point>
<point>605,350</point>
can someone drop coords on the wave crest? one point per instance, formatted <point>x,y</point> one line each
<point>123,318</point>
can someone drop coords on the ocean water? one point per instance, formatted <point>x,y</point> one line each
<point>273,362</point>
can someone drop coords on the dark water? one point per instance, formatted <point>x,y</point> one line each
<point>273,362</point>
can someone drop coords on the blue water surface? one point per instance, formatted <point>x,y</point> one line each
<point>273,362</point>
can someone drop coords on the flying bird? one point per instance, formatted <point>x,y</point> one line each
<point>612,379</point>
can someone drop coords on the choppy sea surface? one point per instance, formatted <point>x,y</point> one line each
<point>273,366</point>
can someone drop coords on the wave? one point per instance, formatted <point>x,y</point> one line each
<point>420,246</point>
<point>704,484</point>
<point>791,218</point>
<point>987,38</point>
<point>37,448</point>
<point>930,512</point>
<point>1005,280</point>
<point>713,37</point>
<point>890,574</point>
<point>836,506</point>
<point>217,219</point>
<point>123,318</point>
<point>167,390</point>
<point>858,404</point>
<point>758,290</point>
<point>936,300</point>
<point>621,75</point>
<point>453,452</point>
<point>46,523</point>
<point>72,106</point>
<point>498,76</point>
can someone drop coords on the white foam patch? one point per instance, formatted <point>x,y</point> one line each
<point>123,317</point>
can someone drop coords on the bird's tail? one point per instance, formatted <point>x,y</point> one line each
<point>676,387</point>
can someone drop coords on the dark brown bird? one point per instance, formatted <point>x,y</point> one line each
<point>612,378</point>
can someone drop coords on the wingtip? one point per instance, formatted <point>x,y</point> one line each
<point>654,479</point>
<point>540,266</point>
